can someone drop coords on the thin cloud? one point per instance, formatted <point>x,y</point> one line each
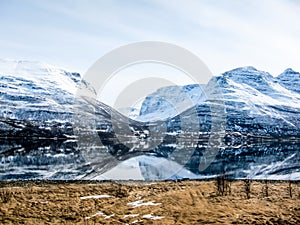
<point>225,34</point>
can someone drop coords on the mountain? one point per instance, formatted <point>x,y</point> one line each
<point>36,93</point>
<point>244,123</point>
<point>258,113</point>
<point>254,101</point>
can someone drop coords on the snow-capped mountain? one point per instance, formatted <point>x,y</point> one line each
<point>254,101</point>
<point>37,93</point>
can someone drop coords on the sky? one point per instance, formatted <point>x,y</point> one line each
<point>225,34</point>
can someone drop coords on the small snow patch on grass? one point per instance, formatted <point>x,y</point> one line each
<point>142,203</point>
<point>95,197</point>
<point>100,214</point>
<point>131,215</point>
<point>149,216</point>
<point>96,214</point>
<point>107,217</point>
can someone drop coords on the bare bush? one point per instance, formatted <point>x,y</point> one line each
<point>265,189</point>
<point>223,186</point>
<point>247,185</point>
<point>290,189</point>
<point>5,195</point>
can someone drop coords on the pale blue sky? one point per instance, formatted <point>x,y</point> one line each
<point>225,34</point>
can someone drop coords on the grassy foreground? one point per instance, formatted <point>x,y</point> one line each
<point>183,202</point>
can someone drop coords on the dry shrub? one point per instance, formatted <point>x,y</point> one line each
<point>5,195</point>
<point>247,185</point>
<point>222,185</point>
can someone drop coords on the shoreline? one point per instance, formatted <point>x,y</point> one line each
<point>16,183</point>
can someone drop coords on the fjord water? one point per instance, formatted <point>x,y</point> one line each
<point>54,159</point>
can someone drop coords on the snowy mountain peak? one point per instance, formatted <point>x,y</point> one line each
<point>32,68</point>
<point>243,69</point>
<point>36,91</point>
<point>289,71</point>
<point>246,72</point>
<point>39,73</point>
<point>290,79</point>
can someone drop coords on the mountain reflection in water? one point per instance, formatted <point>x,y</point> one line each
<point>70,159</point>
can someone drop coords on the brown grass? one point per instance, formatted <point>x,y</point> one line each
<point>185,202</point>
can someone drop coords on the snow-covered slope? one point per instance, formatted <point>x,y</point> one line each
<point>41,74</point>
<point>37,98</point>
<point>35,91</point>
<point>170,101</point>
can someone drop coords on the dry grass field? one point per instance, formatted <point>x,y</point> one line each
<point>170,202</point>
